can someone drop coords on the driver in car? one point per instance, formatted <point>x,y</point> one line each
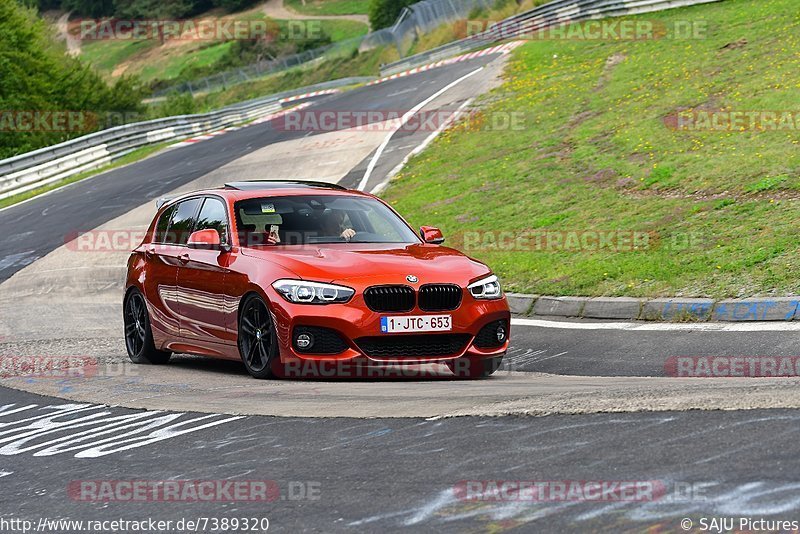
<point>333,224</point>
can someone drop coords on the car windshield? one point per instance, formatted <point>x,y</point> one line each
<point>318,219</point>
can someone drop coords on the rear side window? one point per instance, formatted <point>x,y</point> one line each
<point>214,216</point>
<point>163,225</point>
<point>182,222</point>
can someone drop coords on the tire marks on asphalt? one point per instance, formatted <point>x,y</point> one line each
<point>726,481</point>
<point>90,430</point>
<point>521,357</point>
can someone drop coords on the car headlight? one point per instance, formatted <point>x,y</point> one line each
<point>302,292</point>
<point>486,289</point>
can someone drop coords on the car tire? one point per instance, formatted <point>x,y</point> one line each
<point>474,368</point>
<point>258,339</point>
<point>138,334</point>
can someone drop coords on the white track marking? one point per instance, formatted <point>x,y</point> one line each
<point>309,95</point>
<point>398,93</point>
<point>500,49</point>
<point>407,117</point>
<point>92,431</point>
<point>378,189</point>
<point>766,326</point>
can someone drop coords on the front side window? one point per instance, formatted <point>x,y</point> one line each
<point>319,219</point>
<point>182,223</point>
<point>214,216</point>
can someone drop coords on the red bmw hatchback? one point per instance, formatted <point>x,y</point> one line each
<point>296,277</point>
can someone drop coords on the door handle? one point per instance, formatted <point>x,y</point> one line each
<point>184,258</point>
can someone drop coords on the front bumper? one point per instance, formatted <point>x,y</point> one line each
<point>355,320</point>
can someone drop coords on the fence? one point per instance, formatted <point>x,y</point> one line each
<point>421,18</point>
<point>32,170</point>
<point>544,16</point>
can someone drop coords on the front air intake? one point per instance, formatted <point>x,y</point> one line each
<point>416,346</point>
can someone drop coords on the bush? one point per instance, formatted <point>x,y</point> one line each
<point>176,104</point>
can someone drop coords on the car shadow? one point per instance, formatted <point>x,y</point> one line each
<point>408,373</point>
<point>208,365</point>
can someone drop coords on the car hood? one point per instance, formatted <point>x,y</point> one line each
<point>373,263</point>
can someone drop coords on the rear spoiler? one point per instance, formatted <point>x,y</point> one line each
<point>163,200</point>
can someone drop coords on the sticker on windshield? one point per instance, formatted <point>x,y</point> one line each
<point>267,208</point>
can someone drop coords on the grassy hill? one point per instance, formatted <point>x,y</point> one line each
<point>329,7</point>
<point>597,149</point>
<point>164,64</point>
<point>156,63</point>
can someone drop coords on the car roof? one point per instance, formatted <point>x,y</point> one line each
<point>259,185</point>
<point>260,188</point>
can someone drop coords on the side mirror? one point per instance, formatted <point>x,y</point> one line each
<point>432,235</point>
<point>205,240</point>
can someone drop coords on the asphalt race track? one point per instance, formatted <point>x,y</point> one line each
<point>90,203</point>
<point>379,475</point>
<point>572,403</point>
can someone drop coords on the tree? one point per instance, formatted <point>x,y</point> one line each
<point>384,13</point>
<point>160,9</point>
<point>37,77</point>
<point>90,8</point>
<point>234,5</point>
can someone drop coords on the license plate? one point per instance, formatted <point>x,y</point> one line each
<point>419,323</point>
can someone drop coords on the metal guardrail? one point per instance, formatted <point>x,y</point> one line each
<point>545,16</point>
<point>32,170</point>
